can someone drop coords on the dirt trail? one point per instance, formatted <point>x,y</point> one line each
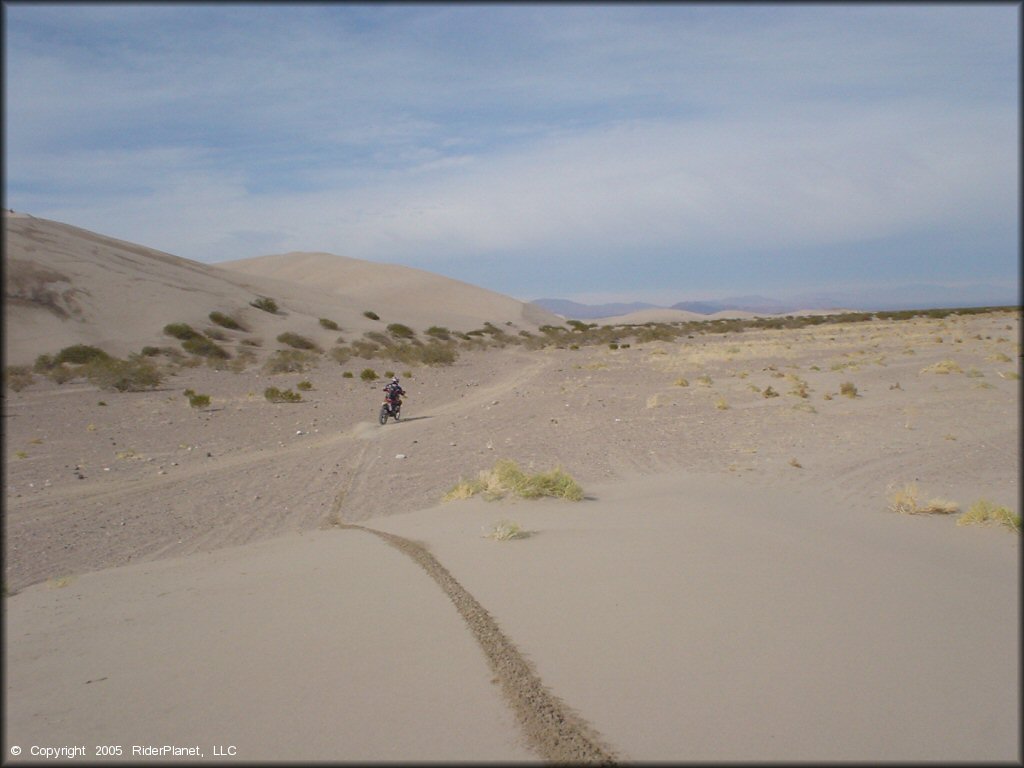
<point>551,727</point>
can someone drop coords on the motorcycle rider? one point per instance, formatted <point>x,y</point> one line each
<point>393,394</point>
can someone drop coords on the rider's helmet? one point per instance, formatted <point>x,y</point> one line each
<point>394,379</point>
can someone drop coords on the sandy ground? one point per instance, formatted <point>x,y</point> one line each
<point>732,588</point>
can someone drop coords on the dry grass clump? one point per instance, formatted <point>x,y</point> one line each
<point>943,367</point>
<point>848,388</point>
<point>265,303</point>
<point>506,477</point>
<point>983,512</point>
<point>503,530</point>
<point>904,501</point>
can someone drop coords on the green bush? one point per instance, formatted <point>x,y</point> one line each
<point>305,386</point>
<point>275,395</point>
<point>329,324</point>
<point>79,354</point>
<point>439,332</point>
<point>400,331</point>
<point>265,303</point>
<point>204,347</point>
<point>368,374</point>
<point>347,375</point>
<point>197,401</point>
<point>123,375</point>
<point>182,331</point>
<point>297,341</point>
<point>226,321</point>
<point>371,315</point>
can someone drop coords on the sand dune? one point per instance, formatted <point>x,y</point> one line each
<point>64,285</point>
<point>283,579</point>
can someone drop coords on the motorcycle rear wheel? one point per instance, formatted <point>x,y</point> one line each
<point>383,414</point>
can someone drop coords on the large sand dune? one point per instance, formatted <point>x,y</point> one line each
<point>283,580</point>
<point>64,285</point>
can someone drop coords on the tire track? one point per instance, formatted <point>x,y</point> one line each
<point>551,727</point>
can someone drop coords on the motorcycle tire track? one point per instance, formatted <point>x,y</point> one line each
<point>550,726</point>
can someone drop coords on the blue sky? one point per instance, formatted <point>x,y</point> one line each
<point>597,152</point>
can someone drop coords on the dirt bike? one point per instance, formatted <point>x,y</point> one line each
<point>392,410</point>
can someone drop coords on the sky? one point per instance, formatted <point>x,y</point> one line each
<point>593,152</point>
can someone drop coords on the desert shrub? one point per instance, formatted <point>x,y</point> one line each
<point>215,334</point>
<point>148,351</point>
<point>275,395</point>
<point>506,477</point>
<point>297,341</point>
<point>368,374</point>
<point>341,354</point>
<point>847,388</point>
<point>372,315</point>
<point>400,331</point>
<point>329,324</point>
<point>365,349</point>
<point>265,303</point>
<point>983,512</point>
<point>181,331</point>
<point>204,347</point>
<point>305,386</point>
<point>378,338</point>
<point>905,501</point>
<point>439,332</point>
<point>943,367</point>
<point>289,361</point>
<point>347,375</point>
<point>17,377</point>
<point>438,354</point>
<point>79,354</point>
<point>123,375</point>
<point>43,364</point>
<point>196,400</point>
<point>226,321</point>
<point>504,530</point>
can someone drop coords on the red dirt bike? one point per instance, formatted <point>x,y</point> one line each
<point>392,409</point>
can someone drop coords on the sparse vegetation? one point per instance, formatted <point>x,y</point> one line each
<point>305,386</point>
<point>905,501</point>
<point>204,347</point>
<point>504,530</point>
<point>265,303</point>
<point>226,321</point>
<point>275,395</point>
<point>329,324</point>
<point>400,331</point>
<point>17,377</point>
<point>983,512</point>
<point>297,341</point>
<point>368,374</point>
<point>132,375</point>
<point>182,331</point>
<point>943,367</point>
<point>197,400</point>
<point>371,314</point>
<point>506,477</point>
<point>848,389</point>
<point>289,361</point>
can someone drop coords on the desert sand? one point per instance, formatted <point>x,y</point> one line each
<point>283,582</point>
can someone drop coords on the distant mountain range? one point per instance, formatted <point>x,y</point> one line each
<point>894,298</point>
